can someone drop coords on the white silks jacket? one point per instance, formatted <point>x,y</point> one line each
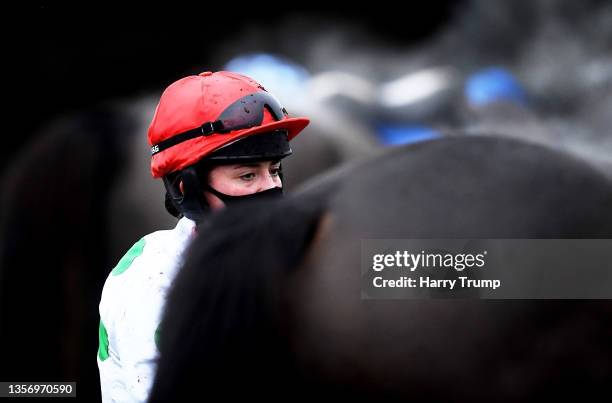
<point>131,307</point>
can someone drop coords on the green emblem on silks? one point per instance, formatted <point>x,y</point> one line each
<point>103,345</point>
<point>128,258</point>
<point>156,337</point>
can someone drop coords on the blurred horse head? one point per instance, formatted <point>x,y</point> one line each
<point>268,303</point>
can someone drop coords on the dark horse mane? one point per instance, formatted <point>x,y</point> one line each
<point>267,304</point>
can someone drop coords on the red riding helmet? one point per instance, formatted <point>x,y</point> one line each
<point>198,115</point>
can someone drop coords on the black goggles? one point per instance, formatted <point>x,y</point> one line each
<point>245,113</point>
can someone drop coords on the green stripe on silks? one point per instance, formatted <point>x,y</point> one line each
<point>156,337</point>
<point>103,346</point>
<point>128,258</point>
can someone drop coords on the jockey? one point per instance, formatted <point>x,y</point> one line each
<point>216,138</point>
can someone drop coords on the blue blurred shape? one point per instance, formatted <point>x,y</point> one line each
<point>396,135</point>
<point>276,73</point>
<point>493,84</point>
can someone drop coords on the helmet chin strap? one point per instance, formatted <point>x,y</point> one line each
<point>272,193</point>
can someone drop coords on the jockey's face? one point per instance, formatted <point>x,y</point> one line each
<point>242,179</point>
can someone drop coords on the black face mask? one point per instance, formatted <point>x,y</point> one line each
<point>270,194</point>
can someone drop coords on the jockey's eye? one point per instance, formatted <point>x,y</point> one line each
<point>248,176</point>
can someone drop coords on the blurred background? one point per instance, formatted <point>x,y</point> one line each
<point>76,190</point>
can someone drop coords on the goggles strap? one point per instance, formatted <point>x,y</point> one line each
<point>206,129</point>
